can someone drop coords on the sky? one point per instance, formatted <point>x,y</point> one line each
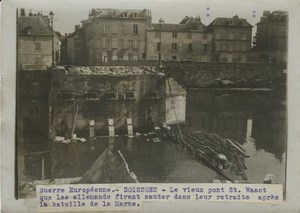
<point>68,13</point>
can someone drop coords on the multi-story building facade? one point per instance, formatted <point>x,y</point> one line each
<point>271,38</point>
<point>186,41</point>
<point>35,42</point>
<point>231,39</point>
<point>73,47</point>
<point>121,35</point>
<point>112,34</point>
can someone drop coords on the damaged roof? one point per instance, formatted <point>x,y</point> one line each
<point>112,70</point>
<point>187,24</point>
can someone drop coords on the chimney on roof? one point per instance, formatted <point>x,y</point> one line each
<point>263,18</point>
<point>266,13</point>
<point>236,16</point>
<point>77,27</point>
<point>22,12</point>
<point>30,14</point>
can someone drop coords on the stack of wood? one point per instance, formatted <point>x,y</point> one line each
<point>225,156</point>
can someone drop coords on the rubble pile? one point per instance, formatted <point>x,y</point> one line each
<point>114,70</point>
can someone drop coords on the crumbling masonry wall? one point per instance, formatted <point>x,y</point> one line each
<point>193,75</point>
<point>141,109</point>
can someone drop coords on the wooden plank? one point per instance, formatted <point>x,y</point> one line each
<point>108,168</point>
<point>241,167</point>
<point>237,147</point>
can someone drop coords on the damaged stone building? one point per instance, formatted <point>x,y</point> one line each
<point>80,95</point>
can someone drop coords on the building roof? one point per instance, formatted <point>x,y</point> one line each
<point>76,32</point>
<point>275,16</point>
<point>112,70</point>
<point>34,25</point>
<point>230,22</point>
<point>168,27</point>
<point>118,13</point>
<point>187,24</point>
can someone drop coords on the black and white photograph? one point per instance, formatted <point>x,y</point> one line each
<point>150,92</point>
<point>131,94</point>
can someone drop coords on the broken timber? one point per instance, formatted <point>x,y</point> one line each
<point>109,168</point>
<point>225,156</point>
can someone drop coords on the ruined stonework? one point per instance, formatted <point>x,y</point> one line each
<point>118,93</point>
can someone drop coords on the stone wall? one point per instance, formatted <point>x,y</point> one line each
<point>195,75</point>
<point>37,50</point>
<point>140,108</point>
<point>33,106</point>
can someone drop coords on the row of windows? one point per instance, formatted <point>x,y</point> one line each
<point>115,28</point>
<point>232,46</point>
<point>126,15</point>
<point>175,58</point>
<point>231,36</point>
<point>280,32</point>
<point>230,58</point>
<point>97,58</point>
<point>94,95</point>
<point>272,45</point>
<point>241,22</point>
<point>175,47</point>
<point>175,35</point>
<point>119,43</point>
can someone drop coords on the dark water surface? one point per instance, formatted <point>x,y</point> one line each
<point>256,119</point>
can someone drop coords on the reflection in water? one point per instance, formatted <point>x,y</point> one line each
<point>269,130</point>
<point>151,162</point>
<point>257,120</point>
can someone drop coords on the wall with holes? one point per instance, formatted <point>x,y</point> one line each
<point>99,98</point>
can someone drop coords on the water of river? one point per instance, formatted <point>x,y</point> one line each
<point>256,119</point>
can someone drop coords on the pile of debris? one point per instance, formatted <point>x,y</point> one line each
<point>113,70</point>
<point>60,139</point>
<point>242,83</point>
<point>225,156</point>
